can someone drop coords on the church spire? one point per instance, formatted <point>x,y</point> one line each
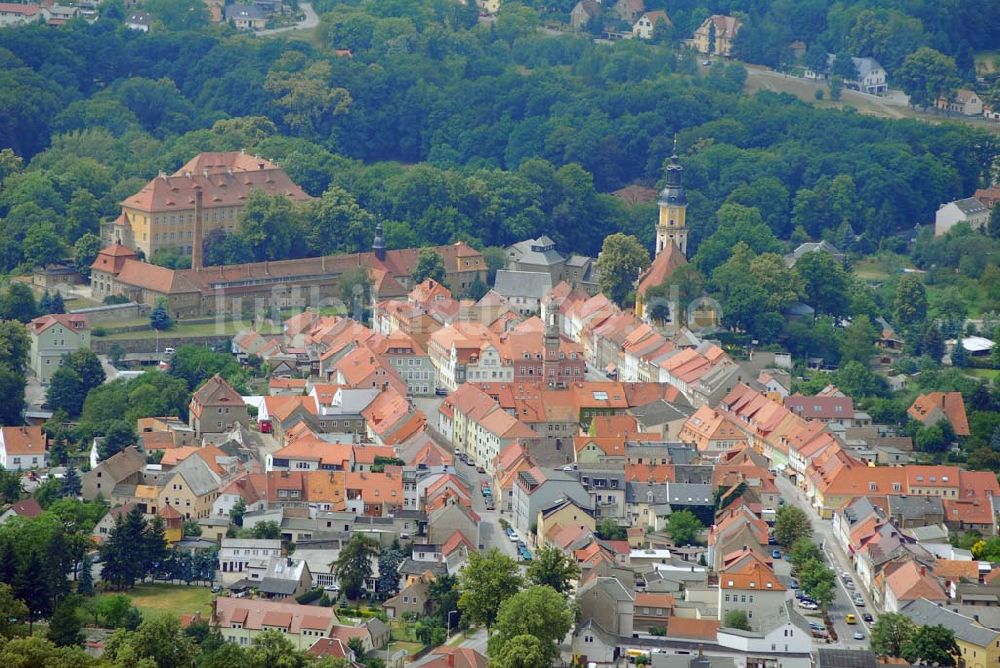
<point>671,226</point>
<point>378,246</point>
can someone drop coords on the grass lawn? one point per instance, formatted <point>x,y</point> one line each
<point>988,374</point>
<point>181,330</point>
<point>410,647</point>
<point>157,599</point>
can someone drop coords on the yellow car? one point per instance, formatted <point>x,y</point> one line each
<point>851,619</point>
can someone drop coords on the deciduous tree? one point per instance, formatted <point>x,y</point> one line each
<point>791,523</point>
<point>552,568</point>
<point>488,579</point>
<point>621,261</point>
<point>538,611</point>
<point>891,633</point>
<point>353,566</point>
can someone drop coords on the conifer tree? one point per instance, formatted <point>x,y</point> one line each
<point>71,484</point>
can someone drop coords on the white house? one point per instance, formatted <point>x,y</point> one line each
<point>23,448</point>
<point>871,76</point>
<point>786,633</point>
<point>646,26</point>
<point>969,210</point>
<point>138,21</point>
<point>238,555</point>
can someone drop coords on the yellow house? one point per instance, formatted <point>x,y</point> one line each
<point>190,488</point>
<point>599,449</point>
<point>978,646</point>
<point>716,35</point>
<point>564,513</point>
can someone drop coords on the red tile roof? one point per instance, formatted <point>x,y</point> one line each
<point>932,407</point>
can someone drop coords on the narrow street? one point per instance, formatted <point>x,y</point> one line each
<point>838,561</point>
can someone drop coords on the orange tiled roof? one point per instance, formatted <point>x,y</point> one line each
<point>21,441</point>
<point>682,627</point>
<point>953,569</point>
<point>929,408</point>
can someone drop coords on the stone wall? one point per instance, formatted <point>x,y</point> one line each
<point>113,312</point>
<point>147,343</point>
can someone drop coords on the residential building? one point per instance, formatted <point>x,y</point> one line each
<point>750,585</point>
<point>535,490</point>
<point>246,17</point>
<point>963,101</point>
<point>53,336</point>
<point>870,75</point>
<point>123,467</point>
<point>238,555</point>
<point>823,246</point>
<point>523,290</point>
<point>138,21</point>
<point>931,408</point>
<point>28,508</point>
<point>978,646</point>
<point>241,620</point>
<point>16,14</point>
<point>453,657</point>
<point>652,610</point>
<point>969,210</point>
<point>716,34</point>
<point>23,448</point>
<point>585,14</point>
<point>647,25</point>
<point>216,407</point>
<point>605,602</point>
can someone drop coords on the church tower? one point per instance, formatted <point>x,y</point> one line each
<point>671,226</point>
<point>550,339</point>
<point>378,246</point>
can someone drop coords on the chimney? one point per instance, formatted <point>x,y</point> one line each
<point>196,236</point>
<point>451,659</point>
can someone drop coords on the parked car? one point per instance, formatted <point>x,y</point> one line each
<point>850,619</point>
<point>867,616</point>
<point>440,391</point>
<point>849,584</point>
<point>808,605</point>
<point>858,635</point>
<point>490,506</point>
<point>480,469</point>
<point>794,584</point>
<point>776,554</point>
<point>860,602</point>
<point>216,589</point>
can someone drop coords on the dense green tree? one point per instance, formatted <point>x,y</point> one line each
<point>12,611</point>
<point>684,527</point>
<point>18,303</point>
<point>488,579</point>
<point>932,344</point>
<point>442,595</point>
<point>159,318</point>
<point>65,629</point>
<point>11,396</point>
<point>736,619</point>
<point>85,580</point>
<point>269,529</point>
<point>551,568</point>
<point>735,223</point>
<point>14,346</point>
<point>353,566</point>
<point>927,75</point>
<point>791,523</point>
<point>890,633</point>
<point>825,283</point>
<point>158,639</point>
<point>609,529</point>
<point>65,391</point>
<point>118,436</point>
<point>621,261</point>
<point>43,246</point>
<point>522,651</point>
<point>539,611</point>
<point>932,645</point>
<point>910,303</point>
<point>429,265</point>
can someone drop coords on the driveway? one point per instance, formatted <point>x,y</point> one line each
<point>310,21</point>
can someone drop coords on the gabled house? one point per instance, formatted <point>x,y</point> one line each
<point>125,466</point>
<point>240,620</point>
<point>23,448</point>
<point>963,101</point>
<point>931,408</point>
<point>647,25</point>
<point>969,210</point>
<point>215,407</point>
<point>715,36</point>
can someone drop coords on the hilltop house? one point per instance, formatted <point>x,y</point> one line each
<point>716,35</point>
<point>969,210</point>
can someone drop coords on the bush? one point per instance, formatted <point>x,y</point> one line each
<point>99,331</point>
<point>309,596</point>
<point>819,94</point>
<point>657,630</point>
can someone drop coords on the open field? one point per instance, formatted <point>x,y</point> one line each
<point>988,374</point>
<point>761,78</point>
<point>158,599</point>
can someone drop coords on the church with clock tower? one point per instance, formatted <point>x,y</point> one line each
<point>671,235</point>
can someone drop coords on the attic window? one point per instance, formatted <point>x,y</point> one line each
<point>920,478</point>
<point>600,395</point>
<point>753,585</point>
<point>730,584</point>
<point>944,478</point>
<point>769,585</point>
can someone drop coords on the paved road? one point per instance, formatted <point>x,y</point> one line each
<point>308,23</point>
<point>842,604</point>
<point>491,534</point>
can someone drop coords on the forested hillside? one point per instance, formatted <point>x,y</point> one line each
<point>521,132</point>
